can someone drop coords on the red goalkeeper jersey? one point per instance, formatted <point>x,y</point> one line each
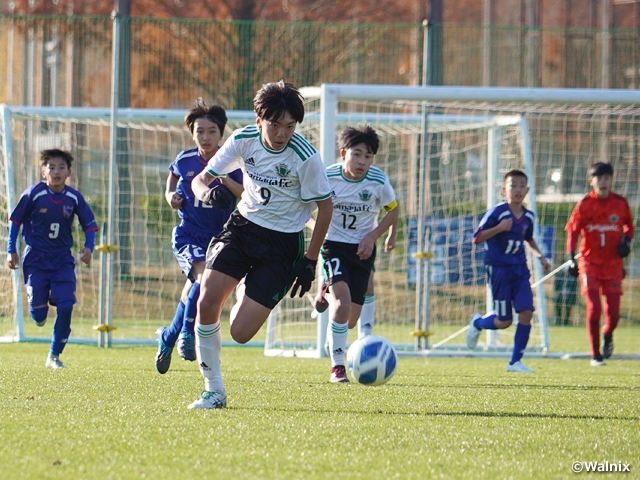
<point>602,222</point>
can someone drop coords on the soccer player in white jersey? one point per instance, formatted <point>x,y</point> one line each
<point>284,181</point>
<point>359,191</point>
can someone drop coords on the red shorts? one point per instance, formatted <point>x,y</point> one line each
<point>593,277</point>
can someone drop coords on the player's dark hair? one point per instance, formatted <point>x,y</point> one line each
<point>350,137</point>
<point>46,155</point>
<point>600,168</point>
<point>274,99</point>
<point>515,173</point>
<point>214,113</point>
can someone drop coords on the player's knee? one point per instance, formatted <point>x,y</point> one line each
<point>500,324</point>
<point>206,303</point>
<point>64,306</point>
<point>39,314</point>
<point>525,317</point>
<point>239,334</point>
<point>342,311</point>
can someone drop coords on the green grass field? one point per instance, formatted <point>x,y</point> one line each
<point>110,415</point>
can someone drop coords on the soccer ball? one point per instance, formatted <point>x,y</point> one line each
<point>372,360</point>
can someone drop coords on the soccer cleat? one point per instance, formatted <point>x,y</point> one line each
<point>338,374</point>
<point>215,399</point>
<point>607,347</point>
<point>40,324</point>
<point>163,357</point>
<point>597,361</point>
<point>473,334</point>
<point>519,367</point>
<point>187,347</point>
<point>320,302</point>
<point>53,361</point>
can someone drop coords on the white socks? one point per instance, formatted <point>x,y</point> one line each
<point>338,342</point>
<point>367,316</point>
<point>208,346</point>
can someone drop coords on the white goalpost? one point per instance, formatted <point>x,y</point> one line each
<point>446,150</point>
<point>127,197</point>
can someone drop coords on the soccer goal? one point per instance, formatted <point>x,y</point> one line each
<point>146,281</point>
<point>446,150</point>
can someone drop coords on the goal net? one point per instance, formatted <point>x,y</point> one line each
<point>146,281</point>
<point>446,152</point>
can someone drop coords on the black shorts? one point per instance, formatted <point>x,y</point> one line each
<point>266,257</point>
<point>341,264</point>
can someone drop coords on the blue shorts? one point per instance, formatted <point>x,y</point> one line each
<point>188,250</point>
<point>511,289</point>
<point>50,286</point>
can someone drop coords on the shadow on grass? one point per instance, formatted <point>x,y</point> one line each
<point>548,416</point>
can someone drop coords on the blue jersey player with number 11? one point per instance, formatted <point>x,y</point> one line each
<point>46,211</point>
<point>505,229</point>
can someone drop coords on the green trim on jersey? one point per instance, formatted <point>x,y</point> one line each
<point>301,146</point>
<point>211,172</point>
<point>250,131</point>
<point>323,197</point>
<point>374,174</point>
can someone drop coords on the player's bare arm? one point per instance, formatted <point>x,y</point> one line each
<point>13,261</point>
<point>546,266</point>
<point>323,219</point>
<point>235,187</point>
<point>171,196</point>
<point>390,242</point>
<point>504,226</point>
<point>365,247</point>
<point>200,184</point>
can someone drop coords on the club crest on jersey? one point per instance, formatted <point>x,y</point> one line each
<point>282,169</point>
<point>43,210</point>
<point>191,173</point>
<point>613,218</point>
<point>365,195</point>
<point>67,211</point>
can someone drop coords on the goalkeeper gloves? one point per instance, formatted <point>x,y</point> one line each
<point>573,266</point>
<point>220,197</point>
<point>624,247</point>
<point>304,273</point>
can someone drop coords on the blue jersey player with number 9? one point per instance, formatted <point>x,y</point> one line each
<point>505,229</point>
<point>199,223</point>
<point>46,211</point>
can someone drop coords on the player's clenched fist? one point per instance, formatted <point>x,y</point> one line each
<point>13,261</point>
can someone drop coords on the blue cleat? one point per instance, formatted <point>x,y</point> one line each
<point>163,357</point>
<point>187,347</point>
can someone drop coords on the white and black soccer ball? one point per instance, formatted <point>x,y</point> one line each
<point>372,360</point>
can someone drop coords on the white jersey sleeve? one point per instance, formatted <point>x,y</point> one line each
<point>314,184</point>
<point>228,158</point>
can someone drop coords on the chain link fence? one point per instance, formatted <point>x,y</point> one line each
<point>66,61</point>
